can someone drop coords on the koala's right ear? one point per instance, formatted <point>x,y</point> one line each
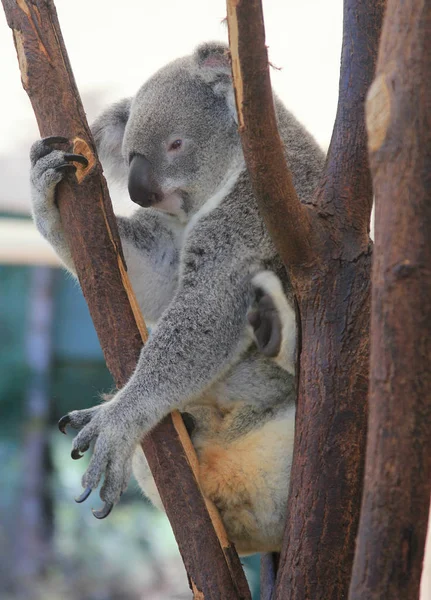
<point>212,59</point>
<point>108,131</point>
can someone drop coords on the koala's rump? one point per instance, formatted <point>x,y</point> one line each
<point>246,476</point>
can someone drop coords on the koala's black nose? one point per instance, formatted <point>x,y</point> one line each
<point>143,188</point>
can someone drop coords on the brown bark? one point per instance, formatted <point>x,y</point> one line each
<point>395,504</point>
<point>332,287</point>
<point>261,143</point>
<point>211,561</point>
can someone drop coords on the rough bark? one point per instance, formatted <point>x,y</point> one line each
<point>213,566</point>
<point>261,143</point>
<point>332,287</point>
<point>395,504</point>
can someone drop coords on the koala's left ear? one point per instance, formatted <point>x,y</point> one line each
<point>214,68</point>
<point>108,131</point>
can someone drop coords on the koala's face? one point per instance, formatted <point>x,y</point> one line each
<point>181,140</point>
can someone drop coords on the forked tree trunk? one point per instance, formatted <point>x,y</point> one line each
<point>395,507</point>
<point>326,248</point>
<point>211,562</point>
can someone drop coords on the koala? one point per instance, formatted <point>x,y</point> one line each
<point>209,281</point>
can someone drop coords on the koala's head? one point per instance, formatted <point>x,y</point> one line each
<point>176,141</point>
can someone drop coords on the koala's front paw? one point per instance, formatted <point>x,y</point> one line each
<point>115,440</point>
<point>48,166</point>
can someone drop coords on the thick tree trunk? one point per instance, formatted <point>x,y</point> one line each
<point>395,507</point>
<point>326,249</point>
<point>212,563</point>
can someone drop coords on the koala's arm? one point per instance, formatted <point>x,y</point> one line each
<point>199,335</point>
<point>150,239</point>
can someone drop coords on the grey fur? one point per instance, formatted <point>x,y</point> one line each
<point>192,269</point>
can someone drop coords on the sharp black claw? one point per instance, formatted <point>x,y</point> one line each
<point>83,497</point>
<point>63,422</point>
<point>76,454</point>
<point>66,167</point>
<point>104,511</point>
<point>55,139</point>
<point>79,158</point>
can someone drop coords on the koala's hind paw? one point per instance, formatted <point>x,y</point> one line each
<point>114,439</point>
<point>266,324</point>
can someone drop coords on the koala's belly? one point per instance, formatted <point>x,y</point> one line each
<point>246,476</point>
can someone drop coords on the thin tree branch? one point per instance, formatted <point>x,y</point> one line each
<point>285,216</point>
<point>395,506</point>
<point>86,212</point>
<point>348,188</point>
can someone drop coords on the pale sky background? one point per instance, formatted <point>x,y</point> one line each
<point>115,46</point>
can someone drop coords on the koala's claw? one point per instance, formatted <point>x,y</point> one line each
<point>79,158</point>
<point>104,511</point>
<point>66,167</point>
<point>62,424</point>
<point>83,497</point>
<point>76,454</point>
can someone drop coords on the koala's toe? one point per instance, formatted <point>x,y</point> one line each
<point>79,418</point>
<point>117,478</point>
<point>44,146</point>
<point>82,441</point>
<point>97,466</point>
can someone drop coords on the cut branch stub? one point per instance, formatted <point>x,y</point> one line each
<point>86,212</point>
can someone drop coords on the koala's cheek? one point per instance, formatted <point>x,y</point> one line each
<point>173,204</point>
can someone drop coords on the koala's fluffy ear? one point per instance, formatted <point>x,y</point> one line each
<point>214,68</point>
<point>108,131</point>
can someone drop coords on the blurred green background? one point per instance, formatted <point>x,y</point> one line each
<point>51,547</point>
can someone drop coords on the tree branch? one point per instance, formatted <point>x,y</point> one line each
<point>348,188</point>
<point>395,506</point>
<point>332,286</point>
<point>86,212</point>
<point>262,146</point>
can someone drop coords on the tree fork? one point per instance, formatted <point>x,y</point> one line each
<point>211,561</point>
<point>331,281</point>
<point>395,505</point>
